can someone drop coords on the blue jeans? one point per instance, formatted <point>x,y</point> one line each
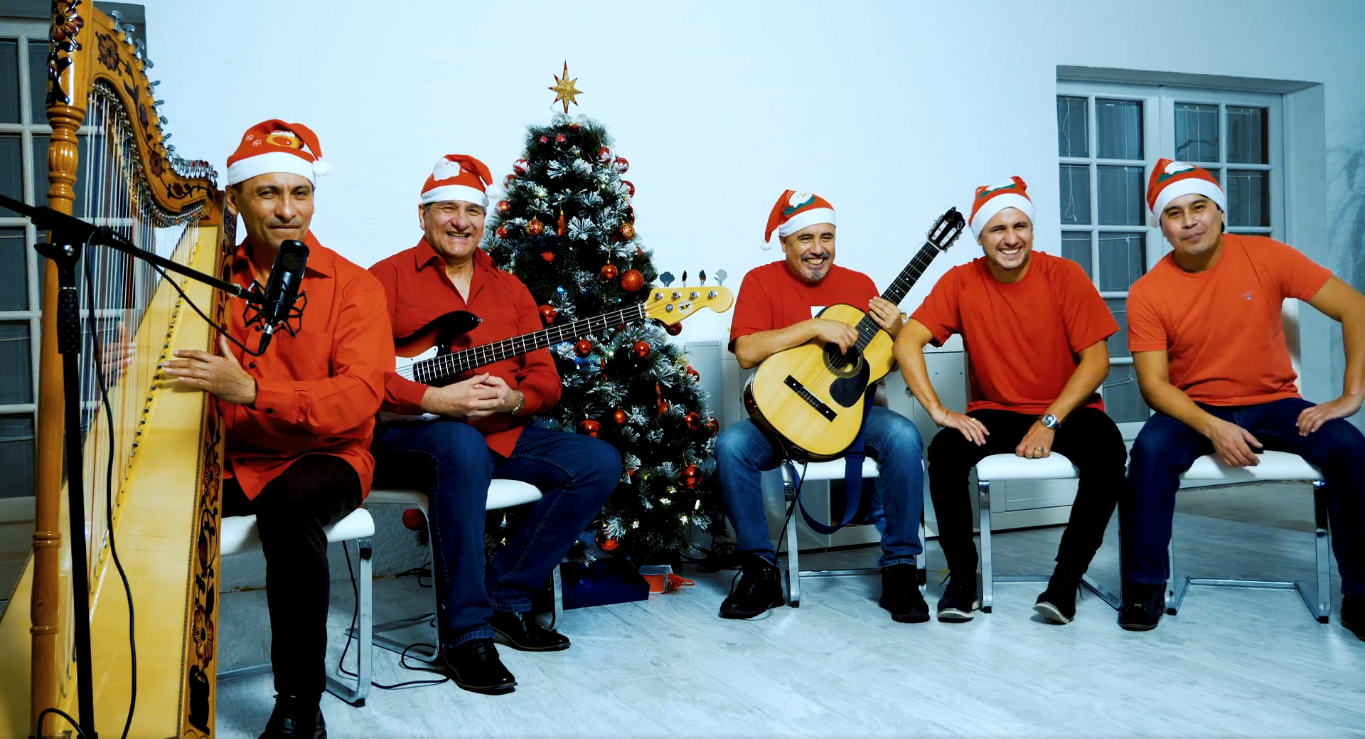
<point>743,453</point>
<point>449,460</point>
<point>1166,448</point>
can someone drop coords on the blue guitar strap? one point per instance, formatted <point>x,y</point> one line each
<point>853,478</point>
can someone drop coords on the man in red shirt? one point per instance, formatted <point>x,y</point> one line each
<point>299,418</point>
<point>774,313</point>
<point>482,433</point>
<point>1208,344</point>
<point>1034,327</point>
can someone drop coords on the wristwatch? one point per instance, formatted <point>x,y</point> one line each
<point>1050,421</point>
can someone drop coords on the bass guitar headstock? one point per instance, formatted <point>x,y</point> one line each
<point>946,229</point>
<point>671,305</point>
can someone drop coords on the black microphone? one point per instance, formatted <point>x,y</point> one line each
<point>282,289</point>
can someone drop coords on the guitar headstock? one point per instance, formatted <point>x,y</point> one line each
<point>671,305</point>
<point>946,229</point>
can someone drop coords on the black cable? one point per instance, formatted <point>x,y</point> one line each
<point>207,320</point>
<point>63,714</point>
<point>402,658</point>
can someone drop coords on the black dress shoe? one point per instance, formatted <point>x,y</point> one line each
<point>759,588</point>
<point>520,631</point>
<point>901,595</point>
<point>295,717</point>
<point>474,666</point>
<point>1142,606</point>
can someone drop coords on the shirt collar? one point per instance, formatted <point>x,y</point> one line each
<point>424,254</point>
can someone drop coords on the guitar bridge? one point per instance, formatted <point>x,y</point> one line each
<point>810,398</point>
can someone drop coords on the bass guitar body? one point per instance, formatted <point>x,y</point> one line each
<point>812,395</point>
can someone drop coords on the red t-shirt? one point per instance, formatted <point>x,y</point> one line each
<point>1221,328</point>
<point>1023,338</point>
<point>772,298</point>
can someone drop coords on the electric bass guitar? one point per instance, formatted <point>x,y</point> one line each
<point>813,395</point>
<point>425,356</point>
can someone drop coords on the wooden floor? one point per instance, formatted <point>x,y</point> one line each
<point>1233,663</point>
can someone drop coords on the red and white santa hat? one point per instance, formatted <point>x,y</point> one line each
<point>458,177</point>
<point>991,199</point>
<point>276,146</point>
<point>1172,179</point>
<point>795,211</point>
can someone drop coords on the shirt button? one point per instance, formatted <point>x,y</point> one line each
<point>269,410</point>
<point>252,365</point>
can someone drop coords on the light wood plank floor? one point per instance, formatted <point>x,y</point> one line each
<point>1233,663</point>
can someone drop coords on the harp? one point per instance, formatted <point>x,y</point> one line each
<point>152,461</point>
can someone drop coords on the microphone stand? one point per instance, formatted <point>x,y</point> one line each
<point>68,236</point>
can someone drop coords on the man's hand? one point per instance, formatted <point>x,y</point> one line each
<point>467,399</point>
<point>835,332</point>
<point>1037,442</point>
<point>1233,443</point>
<point>220,374</point>
<point>118,355</point>
<point>1312,419</point>
<point>974,430</point>
<point>507,398</point>
<point>885,314</point>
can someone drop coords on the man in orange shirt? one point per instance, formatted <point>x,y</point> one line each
<point>1208,343</point>
<point>482,433</point>
<point>1034,327</point>
<point>299,418</point>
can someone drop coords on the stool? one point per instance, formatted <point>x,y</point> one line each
<point>1001,467</point>
<point>833,470</point>
<point>501,494</point>
<point>1274,466</point>
<point>238,534</point>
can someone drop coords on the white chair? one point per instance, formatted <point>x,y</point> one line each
<point>501,494</point>
<point>1002,467</point>
<point>238,534</point>
<point>833,470</point>
<point>1274,466</point>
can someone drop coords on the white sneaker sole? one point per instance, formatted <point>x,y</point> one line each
<point>957,615</point>
<point>1051,613</point>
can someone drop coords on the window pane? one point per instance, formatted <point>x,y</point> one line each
<point>1120,193</point>
<point>1076,247</point>
<point>39,178</point>
<point>16,455</point>
<point>1247,142</point>
<point>9,80</point>
<point>37,81</point>
<point>1075,192</point>
<point>16,371</point>
<point>1118,343</point>
<point>1122,399</point>
<point>13,269</point>
<point>1120,128</point>
<point>1072,127</point>
<point>1248,198</point>
<point>1122,260</point>
<point>11,170</point>
<point>1196,132</point>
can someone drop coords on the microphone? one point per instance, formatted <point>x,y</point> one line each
<point>282,289</point>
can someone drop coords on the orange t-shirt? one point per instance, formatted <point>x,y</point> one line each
<point>1022,338</point>
<point>772,298</point>
<point>1221,328</point>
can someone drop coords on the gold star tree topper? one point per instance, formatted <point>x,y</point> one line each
<point>564,89</point>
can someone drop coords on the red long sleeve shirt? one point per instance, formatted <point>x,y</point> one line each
<point>318,392</point>
<point>419,292</point>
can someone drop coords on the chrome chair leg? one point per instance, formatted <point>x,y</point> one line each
<point>983,488</point>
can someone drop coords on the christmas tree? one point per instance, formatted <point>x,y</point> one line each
<point>565,227</point>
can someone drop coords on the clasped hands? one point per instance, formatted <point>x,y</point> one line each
<point>472,399</point>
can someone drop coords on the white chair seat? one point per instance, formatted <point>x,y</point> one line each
<point>501,494</point>
<point>238,533</point>
<point>1014,467</point>
<point>832,470</point>
<point>1273,466</point>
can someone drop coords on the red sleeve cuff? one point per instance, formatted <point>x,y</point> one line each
<point>403,396</point>
<point>275,398</point>
<point>1146,346</point>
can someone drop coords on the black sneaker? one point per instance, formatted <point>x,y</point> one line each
<point>1142,606</point>
<point>960,599</point>
<point>758,588</point>
<point>1353,614</point>
<point>1058,602</point>
<point>295,717</point>
<point>901,596</point>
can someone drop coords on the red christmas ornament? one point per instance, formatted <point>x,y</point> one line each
<point>631,473</point>
<point>573,126</point>
<point>619,417</point>
<point>607,545</point>
<point>640,349</point>
<point>632,280</point>
<point>520,166</point>
<point>604,155</point>
<point>693,420</point>
<point>712,425</point>
<point>561,138</point>
<point>622,165</point>
<point>561,228</point>
<point>506,181</point>
<point>414,519</point>
<point>630,213</point>
<point>548,314</point>
<point>693,373</point>
<point>639,251</point>
<point>503,206</point>
<point>691,477</point>
<point>548,256</point>
<point>627,232</point>
<point>535,227</point>
<point>544,139</point>
<point>609,271</point>
<point>629,186</point>
<point>582,347</point>
<point>590,427</point>
<point>501,232</point>
<point>663,407</point>
<point>673,329</point>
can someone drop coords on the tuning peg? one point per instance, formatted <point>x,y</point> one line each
<point>702,276</point>
<point>684,279</point>
<point>720,277</point>
<point>153,83</point>
<point>667,278</point>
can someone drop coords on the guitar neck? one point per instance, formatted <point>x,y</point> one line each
<point>895,293</point>
<point>445,366</point>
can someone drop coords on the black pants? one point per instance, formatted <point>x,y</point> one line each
<point>1089,438</point>
<point>314,491</point>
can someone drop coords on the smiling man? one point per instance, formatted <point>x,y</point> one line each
<point>1034,327</point>
<point>1209,347</point>
<point>774,313</point>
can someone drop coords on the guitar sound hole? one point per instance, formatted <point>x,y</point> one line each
<point>841,364</point>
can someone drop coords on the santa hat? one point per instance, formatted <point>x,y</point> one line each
<point>795,211</point>
<point>1172,179</point>
<point>458,177</point>
<point>276,146</point>
<point>991,199</point>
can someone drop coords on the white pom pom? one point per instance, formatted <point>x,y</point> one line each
<point>321,168</point>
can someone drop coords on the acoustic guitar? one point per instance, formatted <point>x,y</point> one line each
<point>425,356</point>
<point>813,395</point>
